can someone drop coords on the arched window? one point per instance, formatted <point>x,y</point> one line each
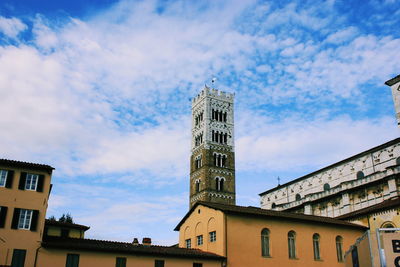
<point>388,225</point>
<point>223,161</point>
<point>298,197</point>
<point>225,114</point>
<point>398,161</point>
<point>273,206</point>
<point>265,250</point>
<point>197,185</point>
<point>292,244</point>
<point>219,183</point>
<point>339,248</point>
<point>317,255</point>
<point>327,187</point>
<point>360,175</point>
<point>225,138</point>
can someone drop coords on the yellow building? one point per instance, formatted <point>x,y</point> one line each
<point>250,236</point>
<point>24,191</point>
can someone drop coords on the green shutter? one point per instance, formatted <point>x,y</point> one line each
<point>3,213</point>
<point>15,220</point>
<point>18,259</point>
<point>34,220</point>
<point>22,181</point>
<point>40,183</point>
<point>10,177</point>
<point>72,260</point>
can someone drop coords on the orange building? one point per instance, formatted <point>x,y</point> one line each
<point>24,191</point>
<point>250,236</point>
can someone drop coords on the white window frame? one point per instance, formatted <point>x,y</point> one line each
<point>25,219</point>
<point>199,239</point>
<point>31,181</point>
<point>3,178</point>
<point>188,243</point>
<point>213,236</point>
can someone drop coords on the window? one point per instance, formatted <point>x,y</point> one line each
<point>29,181</point>
<point>120,262</point>
<point>360,175</point>
<point>327,187</point>
<point>317,255</point>
<point>64,233</point>
<point>18,258</point>
<point>159,263</point>
<point>339,248</point>
<point>3,177</point>
<point>298,197</point>
<point>199,240</point>
<point>219,183</point>
<point>3,214</point>
<point>273,205</point>
<point>25,219</point>
<point>197,264</point>
<point>197,185</point>
<point>72,260</point>
<point>265,243</point>
<point>213,236</point>
<point>292,244</point>
<point>6,178</point>
<point>188,243</point>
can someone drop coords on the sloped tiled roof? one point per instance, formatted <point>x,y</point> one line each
<point>385,205</point>
<point>393,80</point>
<point>28,165</point>
<point>66,225</point>
<point>125,248</point>
<point>258,212</point>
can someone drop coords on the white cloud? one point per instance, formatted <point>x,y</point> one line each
<point>11,27</point>
<point>342,35</point>
<point>296,143</point>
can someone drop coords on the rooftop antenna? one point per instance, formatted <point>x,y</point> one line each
<point>279,181</point>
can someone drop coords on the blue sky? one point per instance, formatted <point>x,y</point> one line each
<point>101,91</point>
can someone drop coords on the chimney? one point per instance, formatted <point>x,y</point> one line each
<point>135,242</point>
<point>146,241</point>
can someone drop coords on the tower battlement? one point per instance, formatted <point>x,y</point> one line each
<point>214,93</point>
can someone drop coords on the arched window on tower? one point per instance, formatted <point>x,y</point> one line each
<point>197,186</point>
<point>225,115</point>
<point>221,138</point>
<point>212,135</point>
<point>223,161</point>
<point>215,159</point>
<point>219,183</point>
<point>220,116</point>
<point>225,138</point>
<point>213,114</point>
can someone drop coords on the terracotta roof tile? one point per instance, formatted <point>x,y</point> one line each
<point>258,212</point>
<point>22,164</point>
<point>125,248</point>
<point>67,225</point>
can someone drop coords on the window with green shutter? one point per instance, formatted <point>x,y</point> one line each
<point>18,258</point>
<point>120,262</point>
<point>72,260</point>
<point>158,263</point>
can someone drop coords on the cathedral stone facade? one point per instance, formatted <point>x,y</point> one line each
<point>212,161</point>
<point>358,188</point>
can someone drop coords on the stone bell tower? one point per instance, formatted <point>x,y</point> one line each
<point>395,85</point>
<point>212,162</point>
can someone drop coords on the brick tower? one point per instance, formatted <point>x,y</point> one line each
<point>212,162</point>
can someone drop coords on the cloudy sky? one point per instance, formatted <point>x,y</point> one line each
<point>101,91</point>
